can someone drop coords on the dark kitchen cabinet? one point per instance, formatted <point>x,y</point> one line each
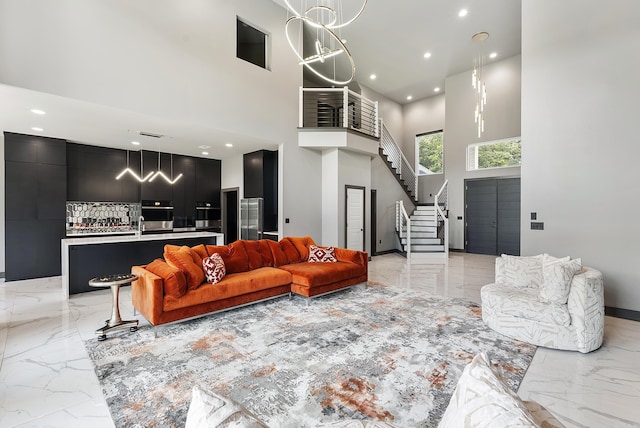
<point>184,190</point>
<point>92,172</point>
<point>35,196</point>
<point>159,189</point>
<point>208,180</point>
<point>260,170</point>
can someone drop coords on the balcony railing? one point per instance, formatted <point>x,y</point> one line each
<point>326,107</point>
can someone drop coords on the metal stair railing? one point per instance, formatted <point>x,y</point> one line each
<point>403,224</point>
<point>442,213</point>
<point>398,161</point>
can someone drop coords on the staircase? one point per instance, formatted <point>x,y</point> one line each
<point>398,164</point>
<point>424,231</point>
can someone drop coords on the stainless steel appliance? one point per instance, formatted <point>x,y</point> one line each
<point>208,216</point>
<point>158,216</point>
<point>251,218</point>
<point>184,224</point>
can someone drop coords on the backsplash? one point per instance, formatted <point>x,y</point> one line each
<point>101,218</point>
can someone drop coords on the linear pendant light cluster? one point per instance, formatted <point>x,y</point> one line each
<point>152,175</point>
<point>477,82</point>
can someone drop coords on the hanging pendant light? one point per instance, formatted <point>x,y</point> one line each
<point>130,171</point>
<point>171,180</point>
<point>477,82</point>
<point>330,55</point>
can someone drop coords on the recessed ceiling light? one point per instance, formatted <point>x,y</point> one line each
<point>205,153</point>
<point>204,146</point>
<point>37,111</point>
<point>409,97</point>
<point>493,55</point>
<point>427,55</point>
<point>463,13</point>
<point>373,77</point>
<point>36,128</point>
<point>436,89</point>
<point>228,145</point>
<point>135,143</point>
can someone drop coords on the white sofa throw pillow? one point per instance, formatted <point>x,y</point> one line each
<point>482,400</point>
<point>210,410</point>
<point>557,275</point>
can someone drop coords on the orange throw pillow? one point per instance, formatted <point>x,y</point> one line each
<point>293,256</point>
<point>175,283</point>
<point>183,260</point>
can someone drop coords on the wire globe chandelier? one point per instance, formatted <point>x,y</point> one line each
<point>322,21</point>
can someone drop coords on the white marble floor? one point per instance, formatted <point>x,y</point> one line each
<point>47,380</point>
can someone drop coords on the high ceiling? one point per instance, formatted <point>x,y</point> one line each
<point>390,39</point>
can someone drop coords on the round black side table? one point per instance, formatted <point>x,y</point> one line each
<point>116,322</point>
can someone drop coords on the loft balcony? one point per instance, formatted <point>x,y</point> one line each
<point>338,118</point>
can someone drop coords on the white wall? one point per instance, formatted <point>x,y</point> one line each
<point>580,95</point>
<point>423,116</point>
<point>330,198</point>
<point>389,111</point>
<point>502,121</point>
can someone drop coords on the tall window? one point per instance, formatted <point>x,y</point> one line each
<point>252,44</point>
<point>494,154</point>
<point>429,149</point>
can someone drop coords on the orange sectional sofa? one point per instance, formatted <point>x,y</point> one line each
<point>255,271</point>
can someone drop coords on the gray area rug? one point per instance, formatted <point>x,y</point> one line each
<point>374,353</point>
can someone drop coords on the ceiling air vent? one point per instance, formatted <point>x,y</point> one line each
<point>150,134</point>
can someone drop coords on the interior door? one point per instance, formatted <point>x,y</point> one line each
<point>509,216</point>
<point>355,217</point>
<point>492,212</point>
<point>481,216</point>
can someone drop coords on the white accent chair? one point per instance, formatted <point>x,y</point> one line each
<point>545,301</point>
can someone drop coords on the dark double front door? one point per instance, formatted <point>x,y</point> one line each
<point>492,213</point>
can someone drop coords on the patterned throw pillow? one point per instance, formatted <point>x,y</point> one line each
<point>214,268</point>
<point>558,274</point>
<point>322,254</point>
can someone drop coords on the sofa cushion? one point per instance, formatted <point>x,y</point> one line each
<point>214,269</point>
<point>523,303</point>
<point>259,253</point>
<point>557,275</point>
<point>302,245</point>
<point>315,274</point>
<point>197,258</point>
<point>322,254</point>
<point>279,257</point>
<point>235,284</point>
<point>234,255</point>
<point>210,410</point>
<point>483,399</point>
<point>201,251</point>
<point>175,283</point>
<point>183,260</point>
<point>289,250</point>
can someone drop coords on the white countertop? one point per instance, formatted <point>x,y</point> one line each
<point>87,240</point>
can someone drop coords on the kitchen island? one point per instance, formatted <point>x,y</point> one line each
<point>84,258</point>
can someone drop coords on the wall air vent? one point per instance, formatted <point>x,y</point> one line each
<point>150,134</point>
